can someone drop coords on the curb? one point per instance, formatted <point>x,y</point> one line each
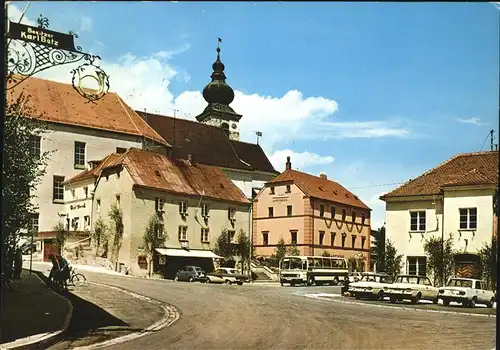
<point>312,296</point>
<point>171,315</point>
<point>43,340</point>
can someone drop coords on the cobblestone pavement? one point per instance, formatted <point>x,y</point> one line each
<point>263,317</point>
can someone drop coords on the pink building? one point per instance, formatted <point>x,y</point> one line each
<point>313,213</point>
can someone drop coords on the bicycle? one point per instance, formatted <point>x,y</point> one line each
<point>77,279</point>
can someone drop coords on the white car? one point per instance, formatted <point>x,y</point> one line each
<point>371,285</point>
<point>467,291</point>
<point>413,288</point>
<point>354,276</point>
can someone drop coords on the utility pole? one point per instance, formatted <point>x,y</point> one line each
<point>492,145</point>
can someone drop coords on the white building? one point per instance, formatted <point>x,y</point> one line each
<point>454,198</point>
<point>78,132</point>
<point>195,203</point>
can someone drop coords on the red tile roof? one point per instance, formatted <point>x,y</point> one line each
<point>318,187</point>
<point>60,103</point>
<point>157,171</point>
<point>479,168</point>
<point>208,144</point>
<point>109,160</point>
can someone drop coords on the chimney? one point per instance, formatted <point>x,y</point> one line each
<point>288,163</point>
<point>323,176</point>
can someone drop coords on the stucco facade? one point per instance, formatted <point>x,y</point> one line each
<point>295,214</point>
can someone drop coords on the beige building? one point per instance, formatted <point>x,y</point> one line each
<point>194,201</point>
<point>78,132</point>
<point>457,197</point>
<point>313,213</point>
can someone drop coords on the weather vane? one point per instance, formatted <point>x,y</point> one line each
<point>32,50</point>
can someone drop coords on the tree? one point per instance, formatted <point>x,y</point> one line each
<point>98,234</point>
<point>223,246</point>
<point>154,237</point>
<point>21,171</point>
<point>61,235</point>
<point>281,250</point>
<point>294,250</point>
<point>440,266</point>
<point>393,260</point>
<point>243,249</point>
<point>116,216</point>
<point>325,254</point>
<point>378,249</point>
<point>488,260</point>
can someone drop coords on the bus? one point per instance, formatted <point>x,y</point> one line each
<point>312,270</point>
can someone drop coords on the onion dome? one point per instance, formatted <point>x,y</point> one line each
<point>217,91</point>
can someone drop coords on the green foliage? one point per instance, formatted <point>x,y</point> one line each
<point>61,235</point>
<point>223,246</point>
<point>154,236</point>
<point>393,260</point>
<point>488,259</point>
<point>21,170</point>
<point>243,250</point>
<point>98,235</point>
<point>116,216</point>
<point>378,249</point>
<point>294,251</point>
<point>281,250</point>
<point>440,258</point>
<point>43,22</point>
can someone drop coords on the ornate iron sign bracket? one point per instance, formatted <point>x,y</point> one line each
<point>32,50</point>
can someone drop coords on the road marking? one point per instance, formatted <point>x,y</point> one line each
<point>171,315</point>
<point>323,297</point>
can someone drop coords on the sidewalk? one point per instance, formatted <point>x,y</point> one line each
<point>32,309</point>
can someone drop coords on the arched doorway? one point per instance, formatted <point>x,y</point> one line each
<point>467,266</point>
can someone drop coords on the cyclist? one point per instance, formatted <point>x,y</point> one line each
<point>64,270</point>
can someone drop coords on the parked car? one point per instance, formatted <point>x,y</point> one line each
<point>226,275</point>
<point>467,291</point>
<point>191,274</point>
<point>372,286</point>
<point>27,248</point>
<point>413,288</point>
<point>354,276</point>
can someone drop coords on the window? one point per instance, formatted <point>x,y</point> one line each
<point>332,212</point>
<point>293,237</point>
<point>120,150</point>
<point>117,200</point>
<point>35,146</point>
<point>353,237</point>
<point>159,230</point>
<point>353,216</point>
<point>79,154</point>
<point>321,210</point>
<point>204,235</point>
<point>183,207</point>
<point>232,236</point>
<point>343,214</point>
<point>363,240</point>
<point>289,210</point>
<point>86,191</point>
<point>58,188</point>
<point>205,208</point>
<point>417,265</point>
<point>183,233</point>
<point>159,204</point>
<point>321,237</point>
<point>231,213</point>
<point>417,221</point>
<point>478,285</point>
<point>35,221</point>
<point>86,221</point>
<point>75,222</point>
<point>272,190</point>
<point>288,188</point>
<point>343,239</point>
<point>363,218</point>
<point>271,212</point>
<point>98,202</point>
<point>265,238</point>
<point>332,238</point>
<point>468,218</point>
<point>73,195</point>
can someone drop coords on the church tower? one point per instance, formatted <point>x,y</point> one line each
<point>219,96</point>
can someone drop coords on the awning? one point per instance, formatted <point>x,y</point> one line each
<point>192,253</point>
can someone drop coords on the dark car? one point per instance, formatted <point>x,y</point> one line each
<point>191,274</point>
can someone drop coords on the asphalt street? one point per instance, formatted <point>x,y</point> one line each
<point>265,317</point>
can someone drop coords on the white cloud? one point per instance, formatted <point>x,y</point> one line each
<point>15,14</point>
<point>496,4</point>
<point>86,24</point>
<point>475,121</point>
<point>299,160</point>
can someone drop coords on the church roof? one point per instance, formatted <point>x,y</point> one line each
<point>208,144</point>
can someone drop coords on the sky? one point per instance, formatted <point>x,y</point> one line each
<point>372,94</point>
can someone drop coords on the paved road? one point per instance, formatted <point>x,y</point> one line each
<point>264,317</point>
